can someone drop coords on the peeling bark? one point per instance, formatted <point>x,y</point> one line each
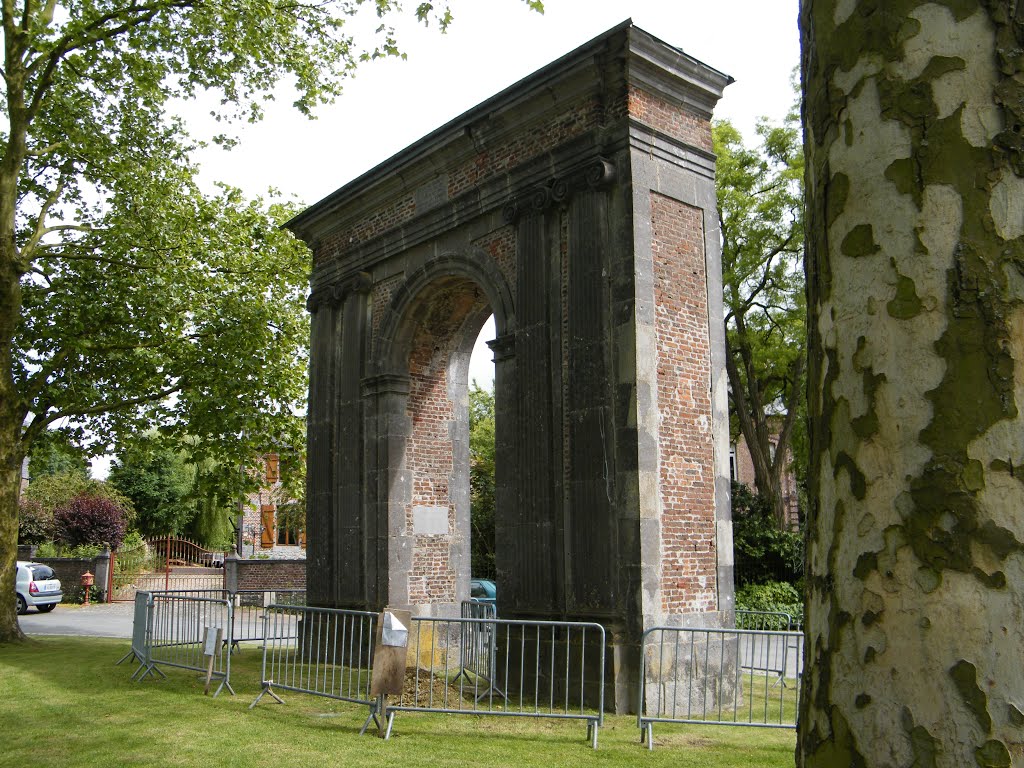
<point>915,276</point>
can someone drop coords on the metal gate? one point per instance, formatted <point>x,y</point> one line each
<point>165,563</point>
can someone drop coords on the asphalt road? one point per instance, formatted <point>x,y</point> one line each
<point>97,620</point>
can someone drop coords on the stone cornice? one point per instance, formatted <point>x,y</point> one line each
<point>334,296</point>
<point>667,72</point>
<point>574,158</point>
<point>660,146</point>
<point>503,347</point>
<point>600,68</point>
<point>386,384</point>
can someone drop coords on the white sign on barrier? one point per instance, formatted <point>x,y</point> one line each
<point>395,633</point>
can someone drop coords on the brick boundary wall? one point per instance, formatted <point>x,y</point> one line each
<point>271,574</point>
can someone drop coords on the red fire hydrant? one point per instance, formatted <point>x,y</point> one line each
<point>87,580</point>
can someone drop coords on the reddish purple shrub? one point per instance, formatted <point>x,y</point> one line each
<point>91,520</point>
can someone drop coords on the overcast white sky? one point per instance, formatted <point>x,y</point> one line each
<point>491,45</point>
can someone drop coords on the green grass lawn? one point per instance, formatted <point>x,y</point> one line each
<point>65,704</point>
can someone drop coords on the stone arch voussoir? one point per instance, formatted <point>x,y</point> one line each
<point>398,321</point>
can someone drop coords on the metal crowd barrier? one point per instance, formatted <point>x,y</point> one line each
<point>478,655</point>
<point>171,629</point>
<point>719,677</point>
<point>250,607</point>
<point>142,629</point>
<point>539,669</point>
<point>320,651</point>
<point>767,657</point>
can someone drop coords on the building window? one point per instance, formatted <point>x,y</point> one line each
<point>734,473</point>
<point>288,536</point>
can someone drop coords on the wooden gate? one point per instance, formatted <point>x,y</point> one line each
<point>164,563</point>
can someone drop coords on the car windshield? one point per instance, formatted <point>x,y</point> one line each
<point>41,573</point>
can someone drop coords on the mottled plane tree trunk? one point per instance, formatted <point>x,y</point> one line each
<point>914,120</point>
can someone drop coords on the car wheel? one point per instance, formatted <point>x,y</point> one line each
<point>46,608</point>
<point>22,605</point>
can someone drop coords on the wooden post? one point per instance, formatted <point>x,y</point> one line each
<point>389,662</point>
<point>211,645</point>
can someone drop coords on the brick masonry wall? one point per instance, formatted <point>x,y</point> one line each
<point>670,119</point>
<point>686,452</point>
<point>495,157</point>
<point>500,245</point>
<point>271,574</point>
<point>573,120</point>
<point>429,451</point>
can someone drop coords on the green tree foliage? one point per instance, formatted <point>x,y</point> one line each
<point>291,506</point>
<point>762,552</point>
<point>760,196</point>
<point>53,491</point>
<point>157,479</point>
<point>35,523</point>
<point>214,510</point>
<point>772,597</point>
<point>481,480</point>
<point>121,284</point>
<point>53,454</point>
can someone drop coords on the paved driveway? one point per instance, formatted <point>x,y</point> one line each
<point>99,620</point>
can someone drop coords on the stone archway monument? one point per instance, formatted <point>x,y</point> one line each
<point>577,207</point>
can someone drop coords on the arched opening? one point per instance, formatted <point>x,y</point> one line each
<point>482,464</point>
<point>433,536</point>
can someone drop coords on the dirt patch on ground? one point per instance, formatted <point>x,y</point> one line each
<point>678,739</point>
<point>423,689</point>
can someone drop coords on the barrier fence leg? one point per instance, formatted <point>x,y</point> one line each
<point>391,723</point>
<point>267,689</point>
<point>372,717</point>
<point>224,684</point>
<point>149,670</point>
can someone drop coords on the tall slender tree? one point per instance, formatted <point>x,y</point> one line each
<point>913,118</point>
<point>760,205</point>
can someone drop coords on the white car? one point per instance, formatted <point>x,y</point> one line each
<point>37,585</point>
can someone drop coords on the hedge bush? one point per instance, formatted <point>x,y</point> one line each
<point>35,522</point>
<point>90,520</point>
<point>771,597</point>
